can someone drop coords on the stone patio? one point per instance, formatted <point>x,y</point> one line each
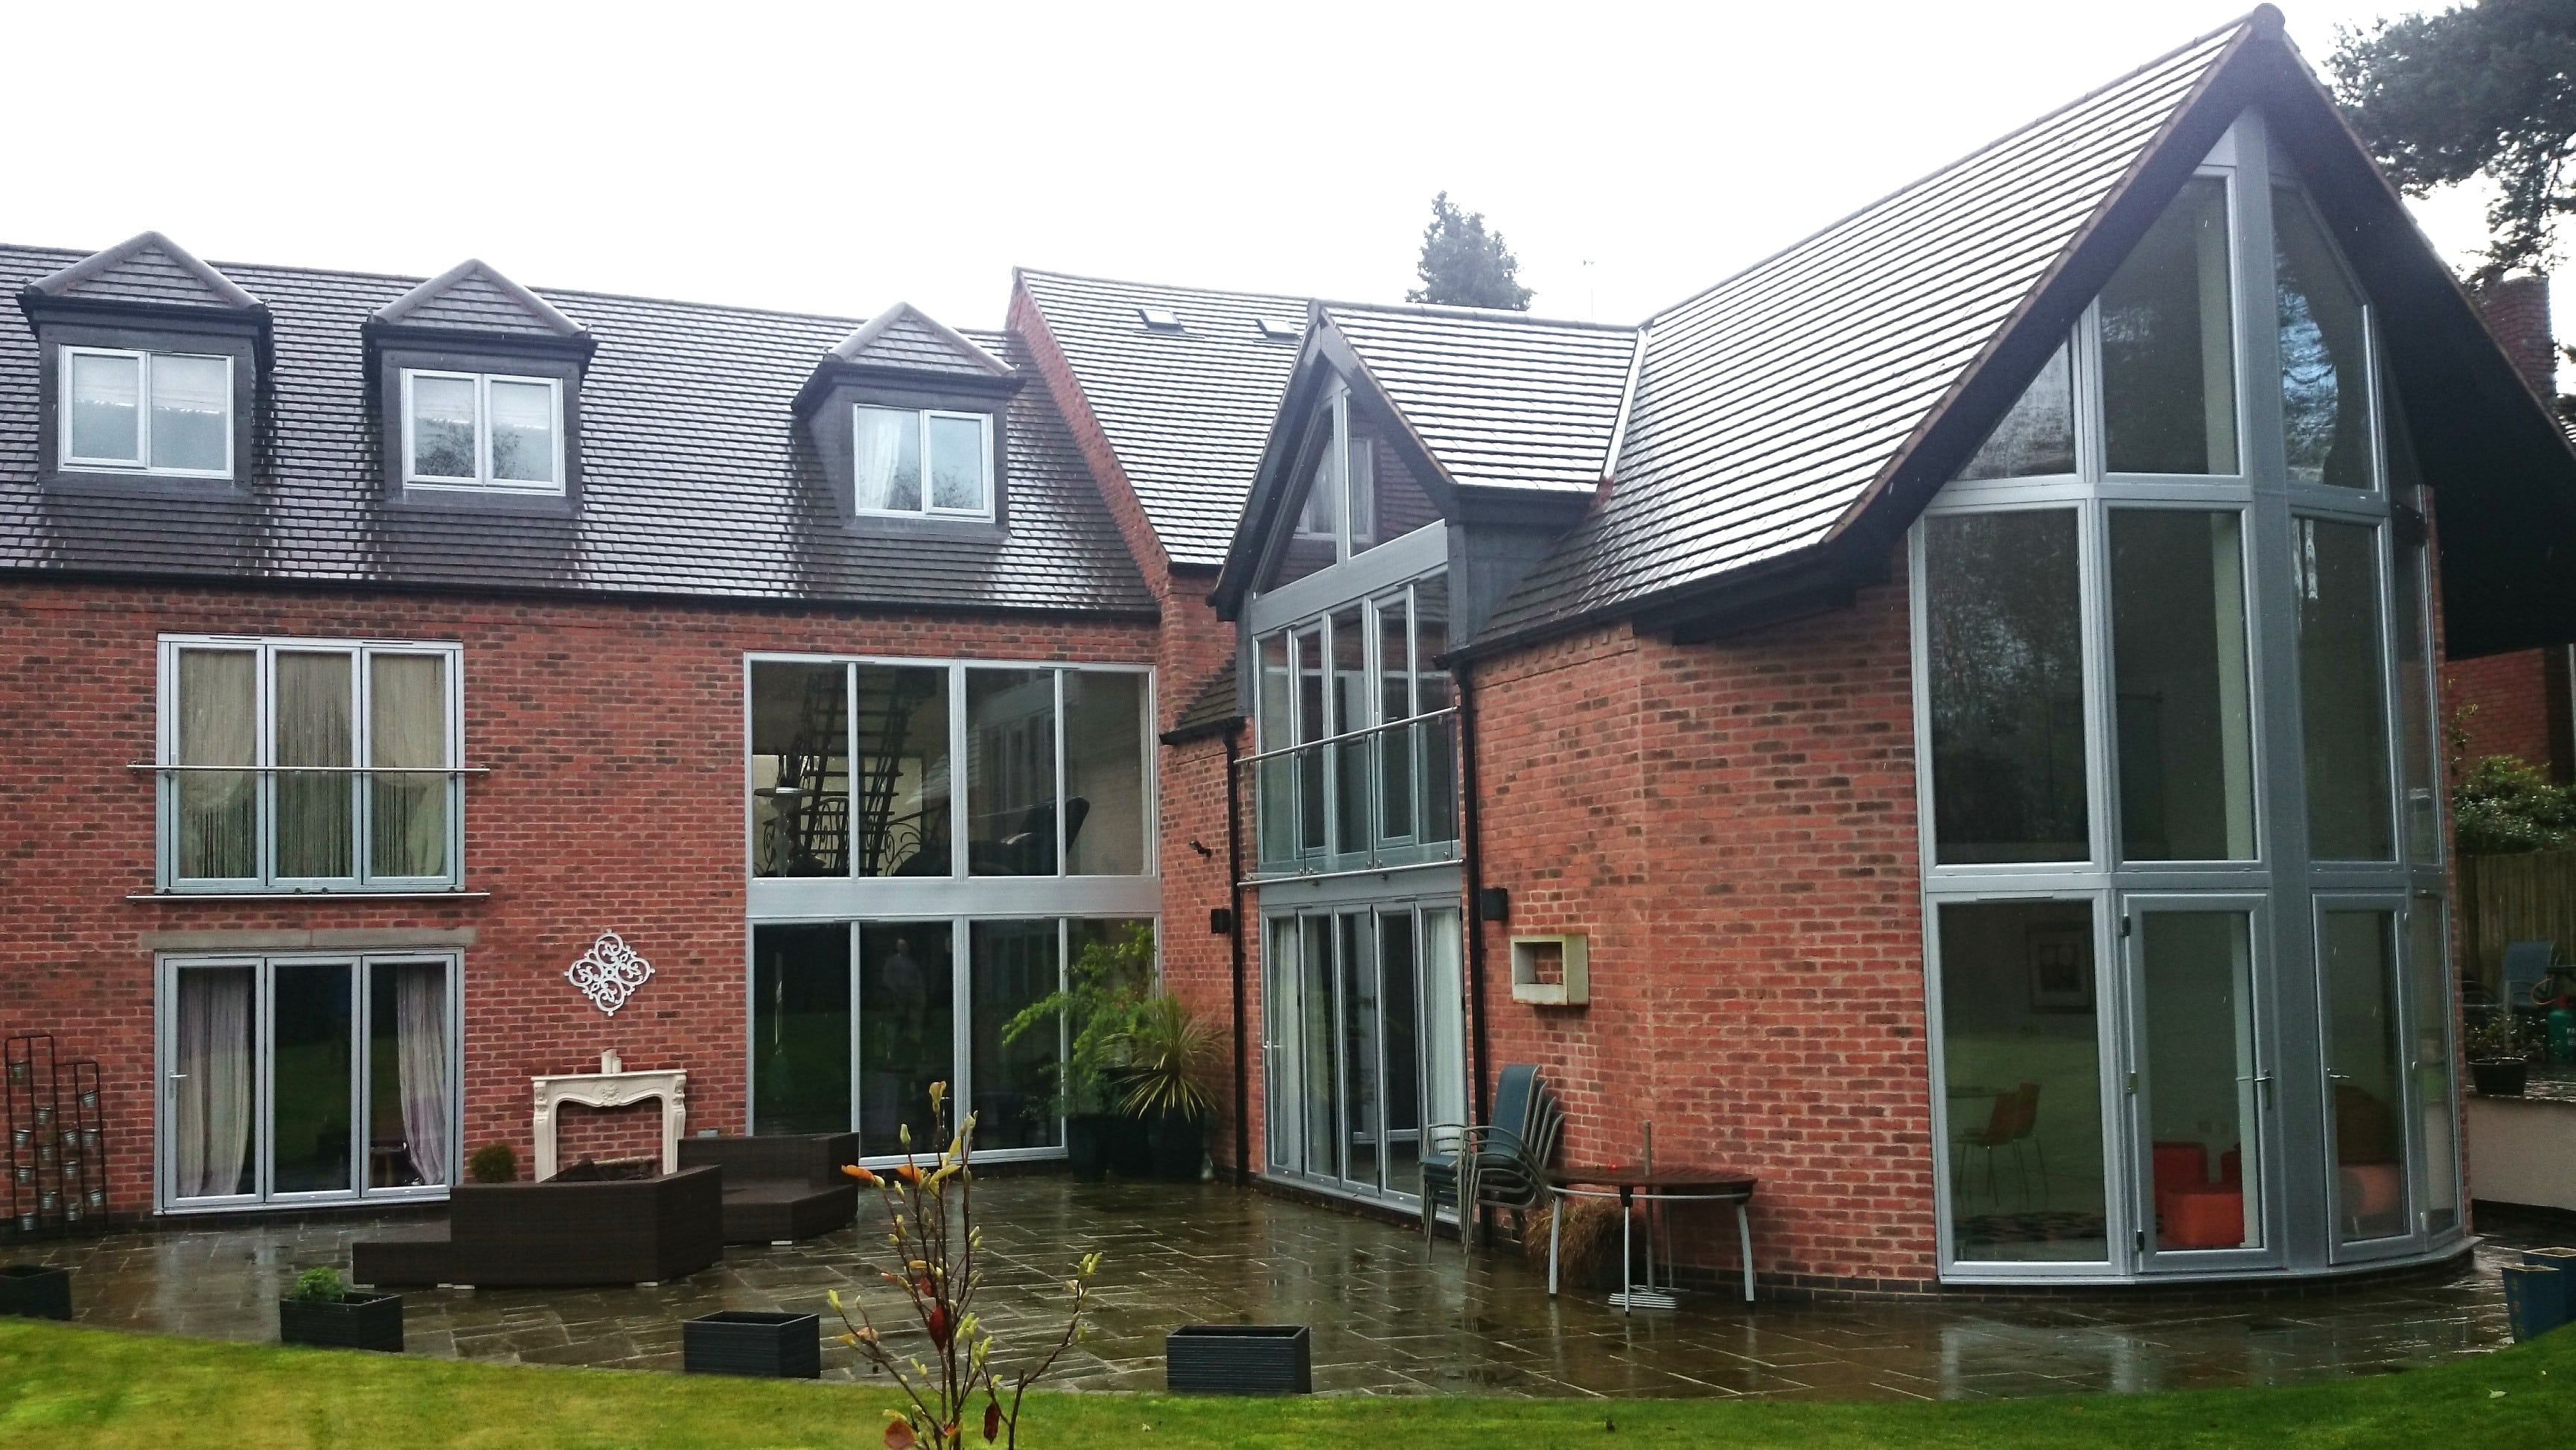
<point>1389,1317</point>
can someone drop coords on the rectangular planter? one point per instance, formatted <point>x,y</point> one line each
<point>357,1321</point>
<point>2535,1300</point>
<point>1239,1359</point>
<point>37,1291</point>
<point>753,1342</point>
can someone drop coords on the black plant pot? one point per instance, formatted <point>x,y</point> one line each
<point>1131,1148</point>
<point>36,1291</point>
<point>1179,1142</point>
<point>1086,1147</point>
<point>1239,1359</point>
<point>752,1342</point>
<point>2500,1079</point>
<point>353,1321</point>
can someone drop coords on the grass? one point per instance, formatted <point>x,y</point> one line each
<point>61,1386</point>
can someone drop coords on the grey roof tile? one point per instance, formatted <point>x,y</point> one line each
<point>148,267</point>
<point>474,297</point>
<point>1498,398</point>
<point>903,336</point>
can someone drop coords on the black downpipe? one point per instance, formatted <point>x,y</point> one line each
<point>1468,828</point>
<point>1234,911</point>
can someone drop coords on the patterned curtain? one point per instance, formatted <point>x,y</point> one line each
<point>217,724</point>
<point>407,726</point>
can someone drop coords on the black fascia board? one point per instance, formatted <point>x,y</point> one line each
<point>1283,453</point>
<point>41,306</point>
<point>832,373</point>
<point>576,348</point>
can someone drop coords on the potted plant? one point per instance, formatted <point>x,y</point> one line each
<point>1165,1050</point>
<point>322,1312</point>
<point>2500,1049</point>
<point>1106,986</point>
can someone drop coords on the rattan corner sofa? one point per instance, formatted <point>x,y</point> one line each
<point>557,1234</point>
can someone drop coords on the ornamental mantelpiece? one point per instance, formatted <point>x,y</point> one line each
<point>611,1087</point>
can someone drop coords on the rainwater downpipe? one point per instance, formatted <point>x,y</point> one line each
<point>1469,829</point>
<point>1234,916</point>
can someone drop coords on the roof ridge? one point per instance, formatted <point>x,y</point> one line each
<point>400,310</point>
<point>1018,272</point>
<point>1473,314</point>
<point>849,348</point>
<point>95,265</point>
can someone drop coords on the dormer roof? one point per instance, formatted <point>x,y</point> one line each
<point>473,296</point>
<point>144,271</point>
<point>906,338</point>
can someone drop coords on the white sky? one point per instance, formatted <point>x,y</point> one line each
<point>839,157</point>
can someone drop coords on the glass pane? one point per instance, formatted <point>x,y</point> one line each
<point>2023,1074</point>
<point>1399,984</point>
<point>407,727</point>
<point>218,724</point>
<point>2342,714</point>
<point>2428,972</point>
<point>442,427</point>
<point>310,1079</point>
<point>1314,541</point>
<point>2196,975</point>
<point>800,769</point>
<point>2006,643</point>
<point>1015,965</point>
<point>800,1029</point>
<point>957,478</point>
<point>1361,1043</point>
<point>903,781</point>
<point>2325,368</point>
<point>411,1089</point>
<point>1010,772</point>
<point>212,1083</point>
<point>2419,770</point>
<point>1277,807</point>
<point>1431,692</point>
<point>887,459</point>
<point>1394,702</point>
<point>315,726</point>
<point>106,396</point>
<point>2168,348</point>
<point>1443,1029</point>
<point>1311,727</point>
<point>1386,501</point>
<point>192,412</point>
<point>1351,688</point>
<point>2038,436</point>
<point>1282,1093</point>
<point>2178,651</point>
<point>1316,1036</point>
<point>2364,1060</point>
<point>907,1031</point>
<point>1104,773</point>
<point>523,432</point>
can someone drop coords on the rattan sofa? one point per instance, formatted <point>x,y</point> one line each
<point>778,1188</point>
<point>557,1234</point>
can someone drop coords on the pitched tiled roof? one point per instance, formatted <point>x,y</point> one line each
<point>903,336</point>
<point>694,478</point>
<point>1771,406</point>
<point>1186,410</point>
<point>472,296</point>
<point>145,268</point>
<point>1498,398</point>
<point>1214,707</point>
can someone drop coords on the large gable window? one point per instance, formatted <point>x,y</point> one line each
<point>922,461</point>
<point>147,412</point>
<point>482,431</point>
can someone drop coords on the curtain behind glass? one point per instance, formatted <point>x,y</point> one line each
<point>210,1089</point>
<point>106,402</point>
<point>886,445</point>
<point>407,727</point>
<point>315,838</point>
<point>421,1054</point>
<point>523,432</point>
<point>218,725</point>
<point>192,400</point>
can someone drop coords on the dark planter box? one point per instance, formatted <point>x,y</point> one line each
<point>1131,1147</point>
<point>753,1342</point>
<point>1239,1359</point>
<point>2535,1300</point>
<point>36,1291</point>
<point>1086,1147</point>
<point>2500,1079</point>
<point>356,1321</point>
<point>1180,1143</point>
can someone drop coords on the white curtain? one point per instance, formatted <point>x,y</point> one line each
<point>1444,1059</point>
<point>217,726</point>
<point>211,1097</point>
<point>888,452</point>
<point>314,811</point>
<point>421,1054</point>
<point>407,726</point>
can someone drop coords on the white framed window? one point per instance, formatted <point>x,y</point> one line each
<point>921,461</point>
<point>130,411</point>
<point>484,432</point>
<point>309,765</point>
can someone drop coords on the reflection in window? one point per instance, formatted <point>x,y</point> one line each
<point>907,1018</point>
<point>2196,970</point>
<point>800,769</point>
<point>1277,809</point>
<point>2168,347</point>
<point>2325,365</point>
<point>1010,774</point>
<point>2178,645</point>
<point>2022,1077</point>
<point>108,396</point>
<point>2342,714</point>
<point>1385,500</point>
<point>482,431</point>
<point>800,1028</point>
<point>2427,972</point>
<point>2365,1061</point>
<point>2038,435</point>
<point>310,1067</point>
<point>889,448</point>
<point>1350,762</point>
<point>1433,692</point>
<point>903,771</point>
<point>1104,770</point>
<point>2005,638</point>
<point>1014,1082</point>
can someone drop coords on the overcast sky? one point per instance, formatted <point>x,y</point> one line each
<point>837,158</point>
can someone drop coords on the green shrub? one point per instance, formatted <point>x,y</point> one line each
<point>319,1286</point>
<point>493,1163</point>
<point>2504,807</point>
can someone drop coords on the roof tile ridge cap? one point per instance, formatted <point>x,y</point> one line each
<point>1021,272</point>
<point>108,259</point>
<point>849,348</point>
<point>1627,411</point>
<point>1459,312</point>
<point>399,310</point>
<point>2254,21</point>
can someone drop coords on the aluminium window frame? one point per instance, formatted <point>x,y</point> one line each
<point>141,465</point>
<point>922,418</point>
<point>483,481</point>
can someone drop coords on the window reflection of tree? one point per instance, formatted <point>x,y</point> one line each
<point>2005,641</point>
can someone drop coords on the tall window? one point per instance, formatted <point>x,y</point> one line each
<point>922,461</point>
<point>482,431</point>
<point>309,765</point>
<point>1355,493</point>
<point>147,412</point>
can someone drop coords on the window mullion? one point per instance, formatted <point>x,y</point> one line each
<point>1057,744</point>
<point>483,429</point>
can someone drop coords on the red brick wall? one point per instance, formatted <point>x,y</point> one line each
<point>1732,825</point>
<point>2516,704</point>
<point>614,736</point>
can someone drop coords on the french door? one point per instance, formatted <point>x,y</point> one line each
<point>1360,1043</point>
<point>2198,1092</point>
<point>290,1080</point>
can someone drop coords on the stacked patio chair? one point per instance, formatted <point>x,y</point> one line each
<point>1502,1164</point>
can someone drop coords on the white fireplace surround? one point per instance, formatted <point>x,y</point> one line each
<point>612,1087</point>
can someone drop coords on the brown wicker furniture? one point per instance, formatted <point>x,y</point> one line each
<point>557,1234</point>
<point>780,1187</point>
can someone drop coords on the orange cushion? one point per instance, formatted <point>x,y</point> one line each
<point>2211,1217</point>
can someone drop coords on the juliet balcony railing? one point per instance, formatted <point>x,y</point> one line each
<point>232,829</point>
<point>1369,799</point>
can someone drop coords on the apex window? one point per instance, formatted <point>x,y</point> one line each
<point>922,461</point>
<point>129,411</point>
<point>482,431</point>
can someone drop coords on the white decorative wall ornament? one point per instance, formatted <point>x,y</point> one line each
<point>609,973</point>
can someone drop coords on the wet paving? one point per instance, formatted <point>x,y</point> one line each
<point>1388,1315</point>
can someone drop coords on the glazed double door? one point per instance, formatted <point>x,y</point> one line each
<point>1361,1043</point>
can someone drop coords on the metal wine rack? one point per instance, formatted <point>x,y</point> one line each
<point>57,1145</point>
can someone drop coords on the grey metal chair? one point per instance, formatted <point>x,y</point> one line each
<point>1500,1164</point>
<point>2525,963</point>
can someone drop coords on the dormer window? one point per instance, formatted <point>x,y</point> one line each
<point>484,431</point>
<point>922,461</point>
<point>147,412</point>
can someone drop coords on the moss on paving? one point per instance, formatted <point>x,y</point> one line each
<point>62,1386</point>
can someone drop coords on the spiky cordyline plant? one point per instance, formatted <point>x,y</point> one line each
<point>936,1253</point>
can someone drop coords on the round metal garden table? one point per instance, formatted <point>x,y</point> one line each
<point>1635,1185</point>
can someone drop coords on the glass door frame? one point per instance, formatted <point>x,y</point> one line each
<point>2395,904</point>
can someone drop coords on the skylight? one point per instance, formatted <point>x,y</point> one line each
<point>1160,319</point>
<point>1278,331</point>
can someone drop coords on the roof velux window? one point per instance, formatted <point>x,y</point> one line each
<point>1278,331</point>
<point>922,461</point>
<point>1160,319</point>
<point>147,412</point>
<point>482,431</point>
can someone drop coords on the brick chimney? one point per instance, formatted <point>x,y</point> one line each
<point>2517,312</point>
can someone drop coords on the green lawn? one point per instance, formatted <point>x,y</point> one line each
<point>61,1386</point>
